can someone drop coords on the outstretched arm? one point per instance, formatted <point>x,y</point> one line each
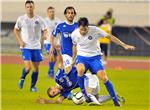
<point>119,42</point>
<point>41,100</point>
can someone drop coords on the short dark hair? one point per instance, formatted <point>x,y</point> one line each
<point>68,8</point>
<point>29,1</point>
<point>48,93</point>
<point>50,7</point>
<point>83,21</point>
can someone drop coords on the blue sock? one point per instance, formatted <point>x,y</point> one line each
<point>51,68</point>
<point>81,84</point>
<point>34,79</point>
<point>24,73</point>
<point>111,91</point>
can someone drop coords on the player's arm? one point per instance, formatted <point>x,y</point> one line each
<point>60,59</point>
<point>41,100</point>
<point>52,44</point>
<point>18,37</point>
<point>119,42</point>
<point>74,53</point>
<point>60,100</point>
<point>53,34</point>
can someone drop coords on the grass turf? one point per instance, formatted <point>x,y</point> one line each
<point>132,84</point>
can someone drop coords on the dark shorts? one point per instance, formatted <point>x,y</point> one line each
<point>104,48</point>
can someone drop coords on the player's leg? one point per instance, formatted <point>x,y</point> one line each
<point>34,76</point>
<point>91,84</point>
<point>81,68</point>
<point>26,56</point>
<point>96,66</point>
<point>36,58</point>
<point>102,74</point>
<point>51,62</point>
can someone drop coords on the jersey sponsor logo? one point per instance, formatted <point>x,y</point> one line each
<point>90,37</point>
<point>67,35</point>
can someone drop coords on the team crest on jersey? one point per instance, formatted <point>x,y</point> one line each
<point>90,37</point>
<point>36,22</point>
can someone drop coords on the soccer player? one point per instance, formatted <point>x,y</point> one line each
<point>29,30</point>
<point>65,29</point>
<point>88,55</point>
<point>51,21</point>
<point>65,83</point>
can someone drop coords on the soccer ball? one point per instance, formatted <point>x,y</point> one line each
<point>78,98</point>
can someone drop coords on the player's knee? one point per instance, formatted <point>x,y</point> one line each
<point>102,75</point>
<point>80,69</point>
<point>28,69</point>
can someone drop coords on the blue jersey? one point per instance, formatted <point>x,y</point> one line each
<point>65,31</point>
<point>67,82</point>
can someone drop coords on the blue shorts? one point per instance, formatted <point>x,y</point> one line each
<point>47,49</point>
<point>94,64</point>
<point>34,55</point>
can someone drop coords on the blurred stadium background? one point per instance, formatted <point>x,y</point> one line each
<point>132,21</point>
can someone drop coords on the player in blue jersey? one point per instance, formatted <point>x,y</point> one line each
<point>88,54</point>
<point>67,82</point>
<point>65,29</point>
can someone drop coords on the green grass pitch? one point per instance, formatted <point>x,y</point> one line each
<point>133,85</point>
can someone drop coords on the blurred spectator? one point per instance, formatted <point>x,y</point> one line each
<point>105,42</point>
<point>109,16</point>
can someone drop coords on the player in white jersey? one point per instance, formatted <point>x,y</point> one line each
<point>29,30</point>
<point>51,21</point>
<point>88,55</point>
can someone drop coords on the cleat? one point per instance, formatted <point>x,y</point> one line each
<point>21,82</point>
<point>117,104</point>
<point>87,99</point>
<point>51,76</point>
<point>120,98</point>
<point>33,89</point>
<point>94,104</point>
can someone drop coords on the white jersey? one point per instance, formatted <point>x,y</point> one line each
<point>30,30</point>
<point>87,45</point>
<point>51,24</point>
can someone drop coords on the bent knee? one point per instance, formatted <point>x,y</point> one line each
<point>102,75</point>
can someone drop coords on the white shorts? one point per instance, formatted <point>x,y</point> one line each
<point>67,60</point>
<point>91,81</point>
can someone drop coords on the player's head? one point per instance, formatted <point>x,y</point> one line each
<point>53,91</point>
<point>29,6</point>
<point>51,12</point>
<point>70,13</point>
<point>83,24</point>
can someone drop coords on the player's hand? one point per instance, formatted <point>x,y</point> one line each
<point>41,100</point>
<point>22,44</point>
<point>51,51</point>
<point>129,47</point>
